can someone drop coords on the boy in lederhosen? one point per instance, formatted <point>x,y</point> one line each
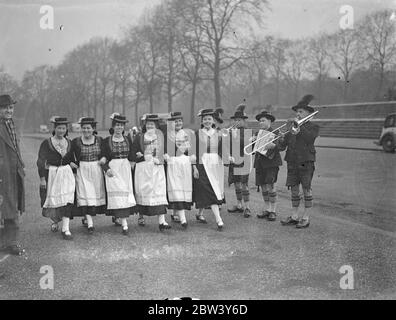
<point>238,173</point>
<point>267,162</point>
<point>300,157</point>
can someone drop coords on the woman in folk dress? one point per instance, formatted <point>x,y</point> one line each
<point>208,187</point>
<point>57,183</point>
<point>91,196</point>
<point>150,181</point>
<point>178,169</point>
<point>117,156</point>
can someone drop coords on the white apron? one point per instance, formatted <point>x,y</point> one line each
<point>179,179</point>
<point>60,188</point>
<point>215,171</point>
<point>90,185</point>
<point>119,187</point>
<point>150,184</point>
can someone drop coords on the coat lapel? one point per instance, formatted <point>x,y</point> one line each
<point>6,136</point>
<point>7,139</point>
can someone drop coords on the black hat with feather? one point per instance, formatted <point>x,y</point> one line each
<point>240,112</point>
<point>304,103</point>
<point>217,115</point>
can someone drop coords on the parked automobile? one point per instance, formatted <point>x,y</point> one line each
<point>387,138</point>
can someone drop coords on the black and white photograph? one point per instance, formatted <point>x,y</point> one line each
<point>216,150</point>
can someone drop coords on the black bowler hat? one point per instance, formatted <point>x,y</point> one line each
<point>6,100</point>
<point>175,115</point>
<point>86,120</point>
<point>265,114</point>
<point>59,120</point>
<point>304,103</point>
<point>240,112</point>
<point>116,117</point>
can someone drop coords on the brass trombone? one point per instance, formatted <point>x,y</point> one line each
<point>290,125</point>
<point>226,131</point>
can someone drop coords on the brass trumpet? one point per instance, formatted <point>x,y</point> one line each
<point>289,125</point>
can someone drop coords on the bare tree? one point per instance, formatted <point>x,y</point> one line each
<point>377,32</point>
<point>7,83</point>
<point>218,19</point>
<point>275,53</point>
<point>296,65</point>
<point>319,62</point>
<point>190,46</point>
<point>35,85</point>
<point>150,57</point>
<point>345,54</point>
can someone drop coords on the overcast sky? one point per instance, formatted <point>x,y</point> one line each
<point>23,45</point>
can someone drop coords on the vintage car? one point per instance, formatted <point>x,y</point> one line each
<point>388,134</point>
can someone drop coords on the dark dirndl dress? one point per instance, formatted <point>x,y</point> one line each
<point>203,193</point>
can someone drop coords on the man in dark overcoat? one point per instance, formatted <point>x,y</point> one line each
<point>12,195</point>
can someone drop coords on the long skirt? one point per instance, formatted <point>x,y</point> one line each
<point>91,195</point>
<point>150,184</point>
<point>120,197</point>
<point>60,191</point>
<point>179,183</point>
<point>209,187</point>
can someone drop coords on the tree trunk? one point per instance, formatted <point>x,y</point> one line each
<point>192,103</point>
<point>137,104</point>
<point>95,98</point>
<point>114,98</point>
<point>104,106</point>
<point>345,91</point>
<point>319,97</point>
<point>216,79</point>
<point>151,98</point>
<point>170,74</point>
<point>277,91</point>
<point>124,97</point>
<point>381,83</point>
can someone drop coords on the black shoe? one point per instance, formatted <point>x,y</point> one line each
<point>15,250</point>
<point>163,227</point>
<point>175,218</point>
<point>91,230</point>
<point>235,209</point>
<point>200,218</point>
<point>125,232</point>
<point>184,225</point>
<point>303,223</point>
<point>54,227</point>
<point>289,221</point>
<point>115,221</point>
<point>220,227</point>
<point>263,214</point>
<point>67,236</point>
<point>271,216</point>
<point>141,222</point>
<point>247,213</point>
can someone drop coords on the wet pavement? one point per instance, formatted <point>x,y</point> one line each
<point>353,225</point>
